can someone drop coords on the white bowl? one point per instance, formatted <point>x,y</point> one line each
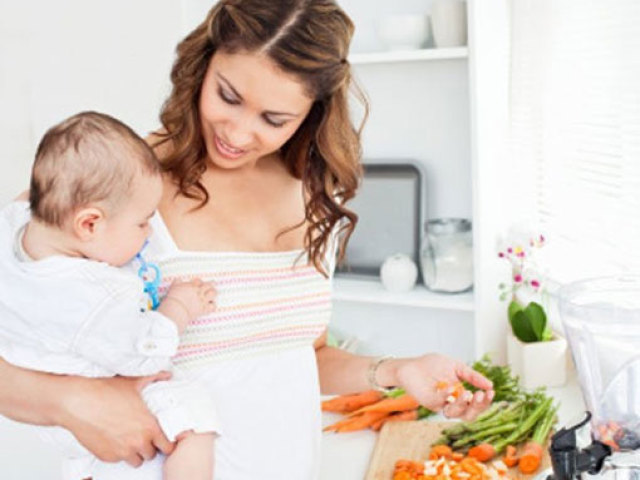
<point>404,31</point>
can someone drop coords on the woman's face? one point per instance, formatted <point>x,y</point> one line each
<point>248,108</point>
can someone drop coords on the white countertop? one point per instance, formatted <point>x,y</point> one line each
<point>345,456</point>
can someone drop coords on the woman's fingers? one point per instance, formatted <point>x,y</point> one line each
<point>469,375</point>
<point>468,410</point>
<point>163,444</point>
<point>134,460</point>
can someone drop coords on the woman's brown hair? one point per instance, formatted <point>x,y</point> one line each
<point>310,40</point>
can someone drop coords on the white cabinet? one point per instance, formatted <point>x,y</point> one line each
<point>420,110</point>
<point>445,108</point>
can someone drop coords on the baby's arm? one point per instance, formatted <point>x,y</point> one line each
<point>186,301</point>
<point>193,456</point>
<point>127,341</point>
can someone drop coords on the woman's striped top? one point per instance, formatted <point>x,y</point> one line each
<point>265,302</point>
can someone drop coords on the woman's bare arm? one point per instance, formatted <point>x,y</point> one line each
<point>343,372</point>
<point>107,415</point>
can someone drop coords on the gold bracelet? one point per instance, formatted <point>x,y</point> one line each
<point>373,369</point>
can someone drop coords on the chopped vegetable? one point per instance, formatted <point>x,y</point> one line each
<point>440,451</point>
<point>442,465</point>
<point>482,452</point>
<point>510,458</point>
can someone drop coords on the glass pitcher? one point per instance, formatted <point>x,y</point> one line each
<point>601,318</point>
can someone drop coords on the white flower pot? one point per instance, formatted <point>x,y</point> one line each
<point>539,363</point>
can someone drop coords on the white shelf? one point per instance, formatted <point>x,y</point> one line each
<point>372,291</point>
<point>409,55</point>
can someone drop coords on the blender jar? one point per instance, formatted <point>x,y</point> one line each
<point>601,318</point>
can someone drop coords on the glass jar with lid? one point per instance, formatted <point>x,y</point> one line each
<point>446,255</point>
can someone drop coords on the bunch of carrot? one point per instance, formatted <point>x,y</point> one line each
<point>372,409</point>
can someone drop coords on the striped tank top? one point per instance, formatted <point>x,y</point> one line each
<point>266,301</point>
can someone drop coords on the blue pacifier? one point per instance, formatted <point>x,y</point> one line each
<point>151,277</point>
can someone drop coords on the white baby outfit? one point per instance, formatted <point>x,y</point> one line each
<point>254,355</point>
<point>76,316</point>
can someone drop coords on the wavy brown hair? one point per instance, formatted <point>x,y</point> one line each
<point>310,40</point>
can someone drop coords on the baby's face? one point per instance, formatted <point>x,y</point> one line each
<point>126,230</point>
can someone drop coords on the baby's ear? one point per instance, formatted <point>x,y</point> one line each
<point>87,222</point>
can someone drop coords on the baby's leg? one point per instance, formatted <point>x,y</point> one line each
<point>192,458</point>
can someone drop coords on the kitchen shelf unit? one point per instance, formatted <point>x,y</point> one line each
<point>450,107</point>
<point>424,54</point>
<point>372,291</point>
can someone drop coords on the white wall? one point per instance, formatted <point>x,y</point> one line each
<point>57,58</point>
<point>420,111</point>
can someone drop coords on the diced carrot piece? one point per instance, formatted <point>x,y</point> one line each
<point>438,451</point>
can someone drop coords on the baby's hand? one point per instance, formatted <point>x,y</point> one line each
<point>188,300</point>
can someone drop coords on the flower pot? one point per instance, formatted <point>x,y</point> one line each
<point>539,363</point>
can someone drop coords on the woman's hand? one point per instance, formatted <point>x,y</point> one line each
<point>108,417</point>
<point>423,377</point>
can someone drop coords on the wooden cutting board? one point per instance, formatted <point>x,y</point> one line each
<point>412,441</point>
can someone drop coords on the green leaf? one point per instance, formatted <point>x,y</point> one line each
<point>521,327</point>
<point>514,307</point>
<point>537,319</point>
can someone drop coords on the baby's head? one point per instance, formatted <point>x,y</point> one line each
<point>96,180</point>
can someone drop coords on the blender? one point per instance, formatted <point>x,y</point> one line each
<point>601,319</point>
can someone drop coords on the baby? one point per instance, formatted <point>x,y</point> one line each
<point>66,308</point>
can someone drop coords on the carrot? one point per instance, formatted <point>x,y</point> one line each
<point>510,461</point>
<point>510,458</point>
<point>530,457</point>
<point>457,456</point>
<point>389,404</point>
<point>337,425</point>
<point>349,403</point>
<point>438,451</point>
<point>405,416</point>
<point>471,466</point>
<point>360,422</point>
<point>402,475</point>
<point>409,466</point>
<point>482,452</point>
<point>453,391</point>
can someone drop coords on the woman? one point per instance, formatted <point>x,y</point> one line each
<point>260,161</point>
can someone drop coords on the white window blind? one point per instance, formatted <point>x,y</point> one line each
<point>575,132</point>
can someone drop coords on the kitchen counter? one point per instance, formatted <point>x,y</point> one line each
<point>346,456</point>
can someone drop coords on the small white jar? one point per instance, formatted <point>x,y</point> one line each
<point>398,273</point>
